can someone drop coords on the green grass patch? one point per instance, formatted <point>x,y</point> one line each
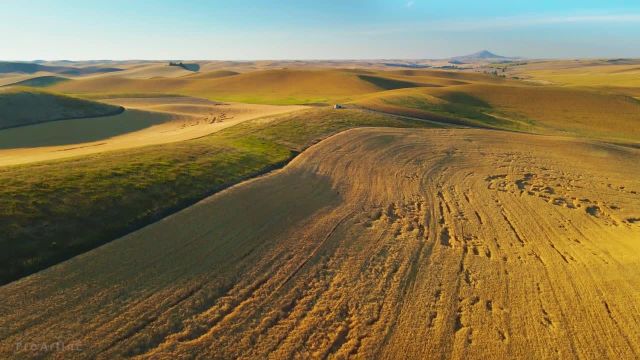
<point>463,109</point>
<point>52,211</point>
<point>387,83</point>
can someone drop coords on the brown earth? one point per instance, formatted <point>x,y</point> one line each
<point>375,243</point>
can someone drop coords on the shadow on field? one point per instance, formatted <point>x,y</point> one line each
<point>76,131</point>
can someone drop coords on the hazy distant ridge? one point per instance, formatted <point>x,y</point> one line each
<point>484,55</point>
<point>31,68</point>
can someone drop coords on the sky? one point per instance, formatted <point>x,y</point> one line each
<point>319,29</point>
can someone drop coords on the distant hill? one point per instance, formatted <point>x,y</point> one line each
<point>40,81</point>
<point>407,65</point>
<point>480,56</point>
<point>33,67</point>
<point>19,107</point>
<point>274,86</point>
<point>212,74</point>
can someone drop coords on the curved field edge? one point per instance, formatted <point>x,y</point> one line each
<point>80,131</point>
<point>24,106</point>
<point>52,211</point>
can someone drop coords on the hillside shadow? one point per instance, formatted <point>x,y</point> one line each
<point>461,98</point>
<point>386,83</point>
<point>40,81</point>
<point>78,131</point>
<point>191,67</point>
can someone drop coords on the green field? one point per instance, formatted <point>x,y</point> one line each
<point>54,210</point>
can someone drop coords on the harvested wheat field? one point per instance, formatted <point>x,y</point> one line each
<point>375,243</point>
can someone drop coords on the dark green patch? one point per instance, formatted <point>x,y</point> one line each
<point>459,108</point>
<point>41,81</point>
<point>461,98</point>
<point>386,83</point>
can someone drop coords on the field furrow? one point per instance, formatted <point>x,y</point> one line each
<point>374,243</point>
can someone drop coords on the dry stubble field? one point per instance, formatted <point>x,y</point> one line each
<point>373,243</point>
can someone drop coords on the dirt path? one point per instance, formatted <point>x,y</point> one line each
<point>375,243</point>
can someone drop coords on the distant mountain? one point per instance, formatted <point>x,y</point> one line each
<point>480,56</point>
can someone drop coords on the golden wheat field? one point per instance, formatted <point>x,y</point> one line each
<point>374,243</point>
<point>320,210</point>
<point>322,180</point>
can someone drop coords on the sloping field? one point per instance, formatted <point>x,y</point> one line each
<point>375,243</point>
<point>147,121</point>
<point>586,113</point>
<point>51,211</point>
<point>148,71</point>
<point>22,106</point>
<point>77,131</point>
<point>11,78</point>
<point>281,86</point>
<point>40,81</point>
<point>32,68</point>
<point>212,74</point>
<point>602,73</point>
<point>444,77</point>
<point>424,104</point>
<point>552,110</point>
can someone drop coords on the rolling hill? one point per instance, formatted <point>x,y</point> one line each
<point>40,81</point>
<point>463,241</point>
<point>467,244</point>
<point>23,106</point>
<point>146,121</point>
<point>32,67</point>
<point>514,106</point>
<point>621,76</point>
<point>120,184</point>
<point>282,86</point>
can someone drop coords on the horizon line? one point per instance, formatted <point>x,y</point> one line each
<point>507,58</point>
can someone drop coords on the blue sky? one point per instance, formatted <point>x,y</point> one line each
<point>346,29</point>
